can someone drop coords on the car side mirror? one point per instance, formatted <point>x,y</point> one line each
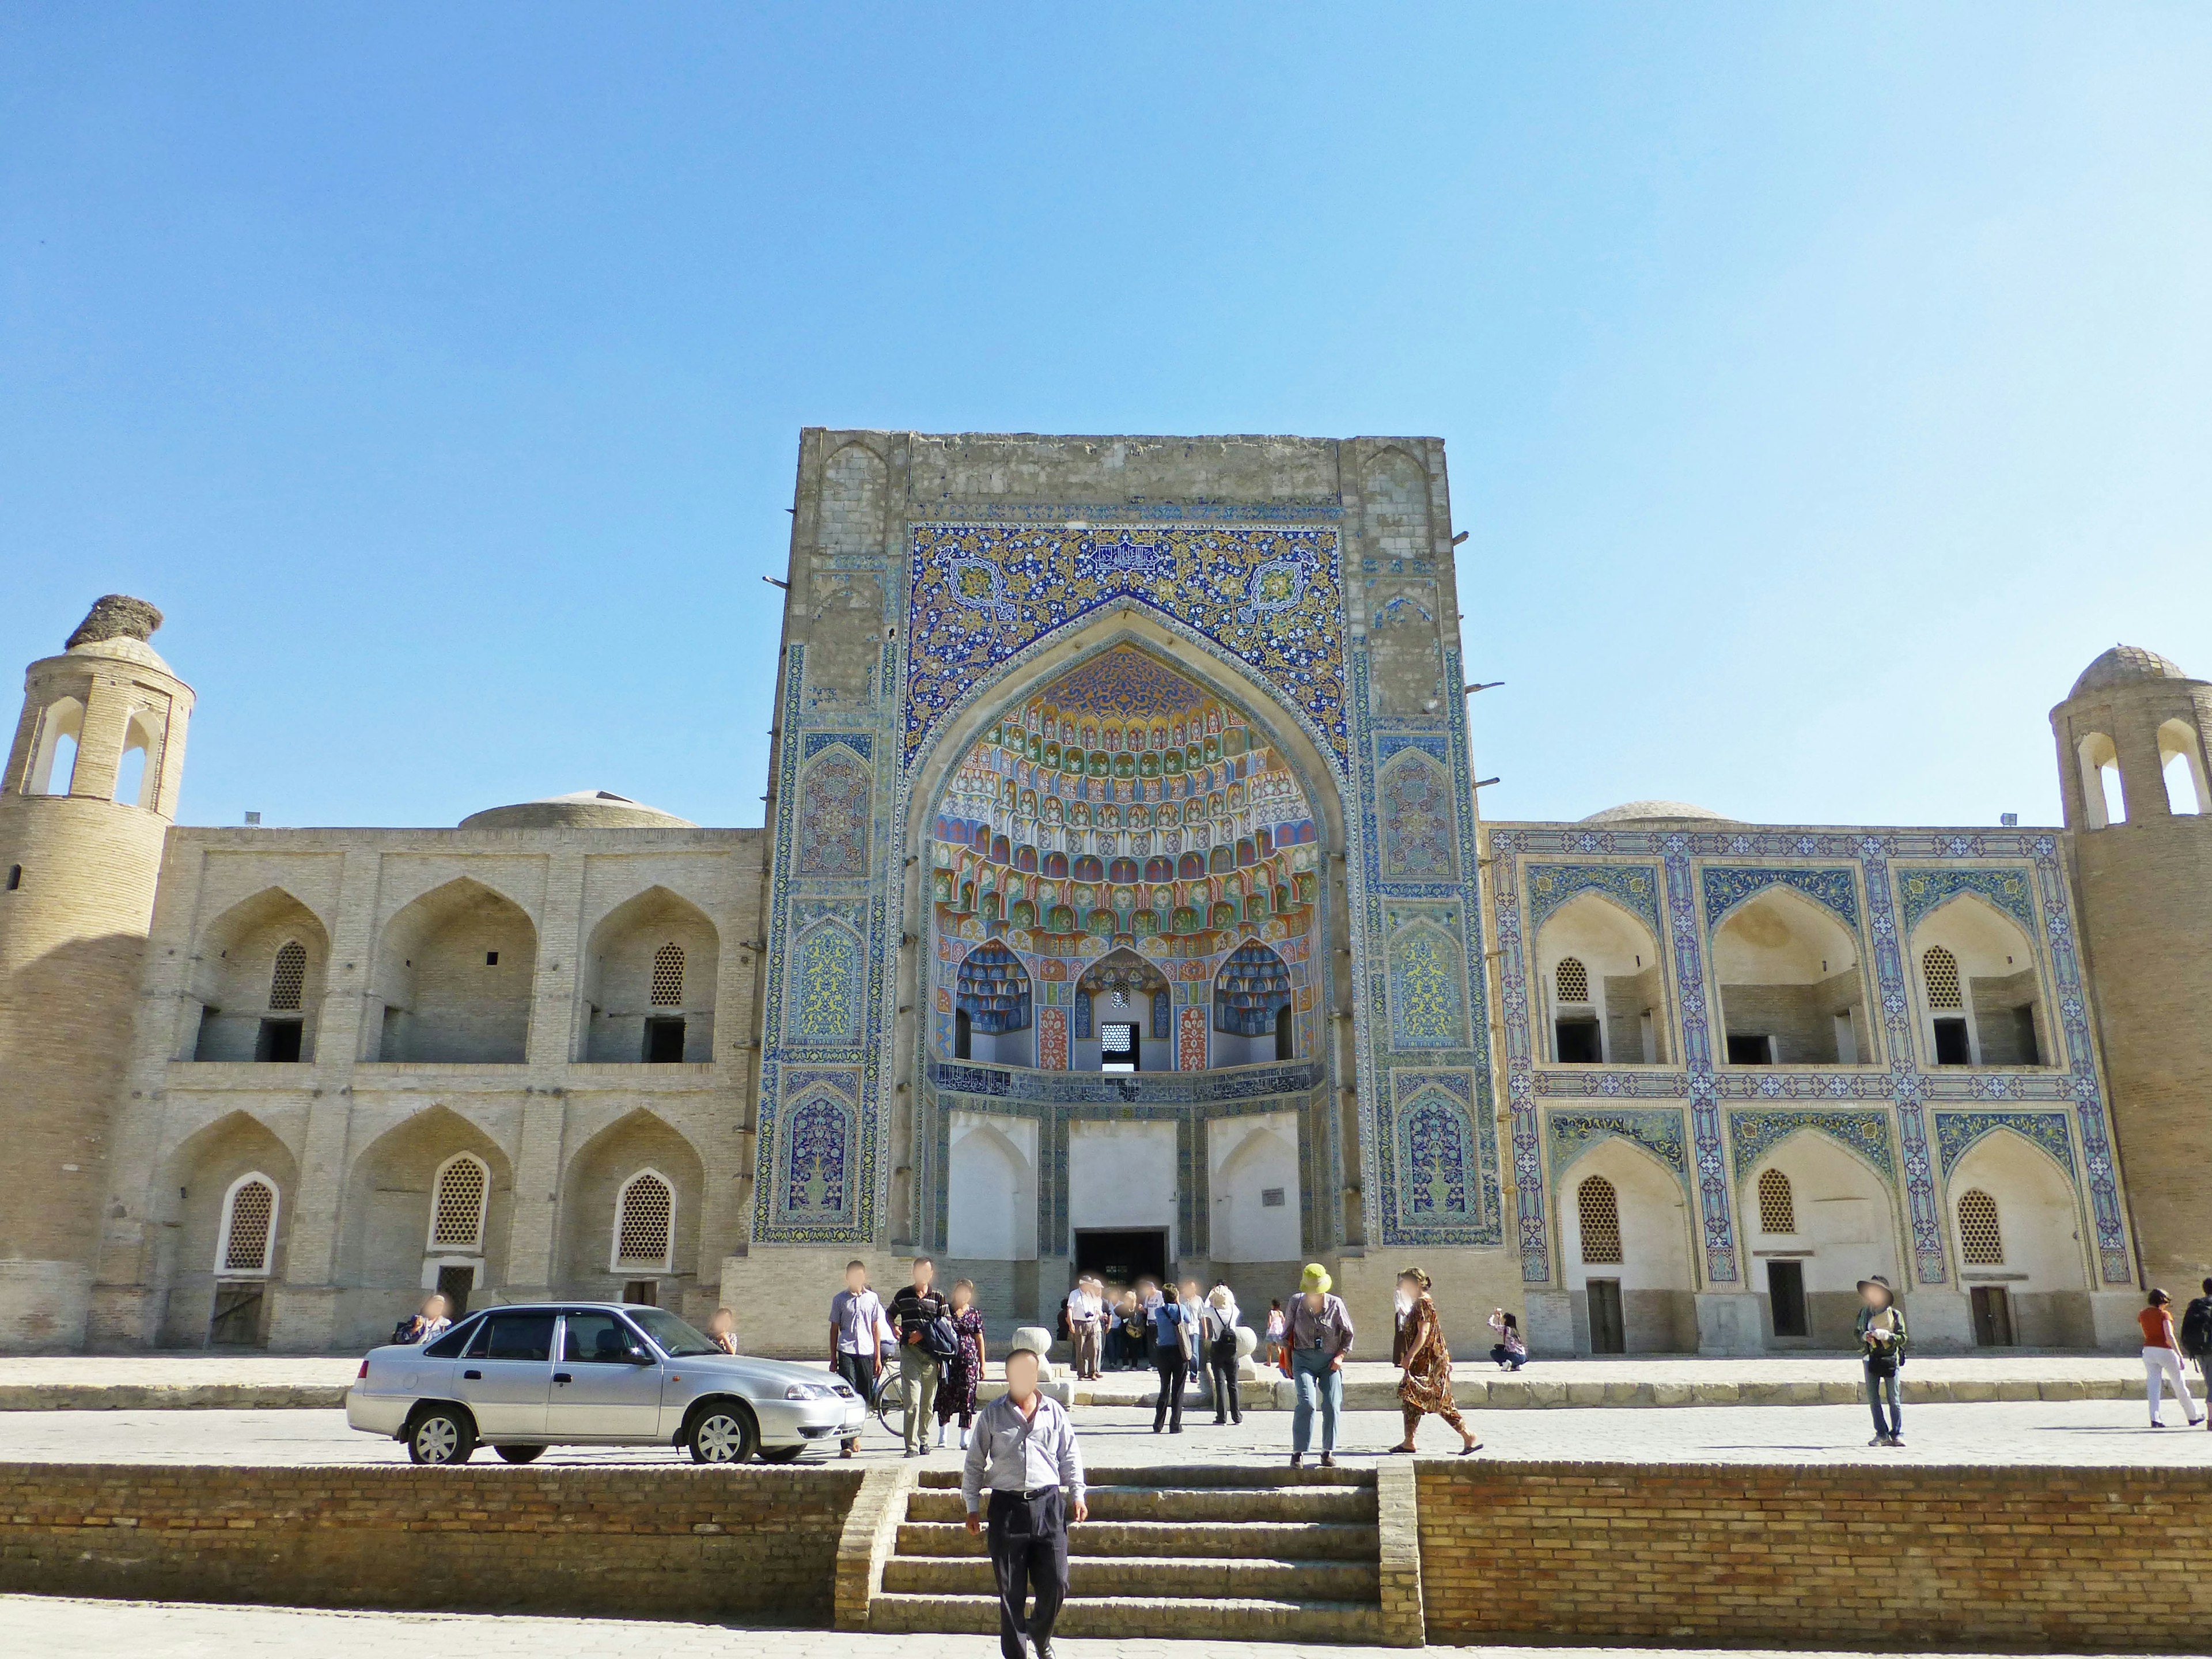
<point>640,1357</point>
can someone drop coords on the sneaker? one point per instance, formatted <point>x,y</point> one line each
<point>1328,1459</point>
<point>1897,1440</point>
<point>1879,1440</point>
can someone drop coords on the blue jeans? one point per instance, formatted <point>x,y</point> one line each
<point>1319,1383</point>
<point>1878,1383</point>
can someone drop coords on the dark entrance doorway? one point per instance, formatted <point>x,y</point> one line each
<point>1608,1332</point>
<point>1124,1256</point>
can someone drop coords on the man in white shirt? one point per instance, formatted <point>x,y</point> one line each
<point>1024,1450</point>
<point>1085,1308</point>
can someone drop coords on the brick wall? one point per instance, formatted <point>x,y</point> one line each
<point>2081,1559</point>
<point>665,1542</point>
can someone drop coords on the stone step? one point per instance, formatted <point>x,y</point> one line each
<point>1153,1618</point>
<point>1167,1577</point>
<point>1242,1476</point>
<point>1296,1541</point>
<point>1187,1503</point>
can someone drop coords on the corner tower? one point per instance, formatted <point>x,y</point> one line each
<point>88,794</point>
<point>2131,740</point>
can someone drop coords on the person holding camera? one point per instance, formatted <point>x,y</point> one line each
<point>1881,1349</point>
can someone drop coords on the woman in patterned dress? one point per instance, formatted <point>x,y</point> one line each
<point>956,1387</point>
<point>1419,1348</point>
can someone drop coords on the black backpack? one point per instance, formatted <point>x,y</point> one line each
<point>940,1339</point>
<point>2197,1328</point>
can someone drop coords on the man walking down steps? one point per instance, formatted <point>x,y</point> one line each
<point>1024,1450</point>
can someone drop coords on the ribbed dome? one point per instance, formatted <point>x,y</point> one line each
<point>2124,664</point>
<point>1633,812</point>
<point>587,809</point>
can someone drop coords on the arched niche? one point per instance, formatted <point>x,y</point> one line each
<point>257,975</point>
<point>54,748</point>
<point>1621,1018</point>
<point>1791,989</point>
<point>385,1260</point>
<point>1842,1228</point>
<point>1980,984</point>
<point>2040,1278</point>
<point>455,970</point>
<point>651,972</point>
<point>195,1180</point>
<point>1119,800</point>
<point>990,1212</point>
<point>992,1007</point>
<point>2104,791</point>
<point>2181,762</point>
<point>1124,988</point>
<point>592,1184</point>
<point>1649,1280</point>
<point>1254,1187</point>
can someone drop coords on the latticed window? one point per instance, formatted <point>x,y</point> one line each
<point>249,1224</point>
<point>1571,980</point>
<point>1600,1209</point>
<point>1939,969</point>
<point>1778,1204</point>
<point>457,1205</point>
<point>1979,1240</point>
<point>668,976</point>
<point>290,976</point>
<point>645,1221</point>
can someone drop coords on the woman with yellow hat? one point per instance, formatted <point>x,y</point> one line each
<point>1320,1337</point>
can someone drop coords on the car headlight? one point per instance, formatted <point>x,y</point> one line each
<point>809,1391</point>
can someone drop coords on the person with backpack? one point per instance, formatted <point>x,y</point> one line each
<point>2197,1331</point>
<point>423,1327</point>
<point>926,1339</point>
<point>1164,1317</point>
<point>956,1392</point>
<point>1881,1350</point>
<point>2162,1361</point>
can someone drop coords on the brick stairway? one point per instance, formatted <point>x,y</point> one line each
<point>1258,1555</point>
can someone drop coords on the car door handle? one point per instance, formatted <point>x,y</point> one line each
<point>562,1377</point>
<point>473,1376</point>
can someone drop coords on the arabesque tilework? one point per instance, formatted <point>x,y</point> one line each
<point>1902,875</point>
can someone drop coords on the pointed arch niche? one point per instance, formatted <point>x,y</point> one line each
<point>1123,809</point>
<point>1980,987</point>
<point>649,980</point>
<point>257,979</point>
<point>1791,987</point>
<point>1603,989</point>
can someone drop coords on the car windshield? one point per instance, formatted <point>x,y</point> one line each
<point>677,1339</point>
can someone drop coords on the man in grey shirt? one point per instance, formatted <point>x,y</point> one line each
<point>1024,1450</point>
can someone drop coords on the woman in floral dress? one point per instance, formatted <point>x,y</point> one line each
<point>956,1387</point>
<point>1419,1348</point>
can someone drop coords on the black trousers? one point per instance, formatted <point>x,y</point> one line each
<point>1221,1365</point>
<point>859,1370</point>
<point>1168,1362</point>
<point>1029,1554</point>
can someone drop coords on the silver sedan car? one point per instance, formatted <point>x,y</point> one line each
<point>520,1379</point>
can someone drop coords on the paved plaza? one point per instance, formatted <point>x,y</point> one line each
<point>153,1630</point>
<point>2079,1432</point>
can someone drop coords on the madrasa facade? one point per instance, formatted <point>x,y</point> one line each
<point>1124,905</point>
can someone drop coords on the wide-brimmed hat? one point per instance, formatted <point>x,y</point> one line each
<point>1889,1290</point>
<point>1315,1277</point>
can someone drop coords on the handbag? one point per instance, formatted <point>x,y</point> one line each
<point>940,1339</point>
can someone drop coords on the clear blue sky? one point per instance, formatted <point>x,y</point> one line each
<point>1825,386</point>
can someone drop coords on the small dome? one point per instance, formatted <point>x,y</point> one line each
<point>587,809</point>
<point>1635,813</point>
<point>122,649</point>
<point>2124,664</point>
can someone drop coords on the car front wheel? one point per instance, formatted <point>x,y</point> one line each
<point>722,1433</point>
<point>443,1435</point>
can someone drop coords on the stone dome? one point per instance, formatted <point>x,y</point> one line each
<point>122,649</point>
<point>2124,664</point>
<point>1635,814</point>
<point>587,809</point>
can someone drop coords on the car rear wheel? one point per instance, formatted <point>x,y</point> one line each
<point>443,1435</point>
<point>722,1433</point>
<point>783,1454</point>
<point>520,1454</point>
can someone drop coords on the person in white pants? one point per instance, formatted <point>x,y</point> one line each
<point>2162,1360</point>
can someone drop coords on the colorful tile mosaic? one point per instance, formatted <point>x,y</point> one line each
<point>1633,887</point>
<point>835,805</point>
<point>1956,1131</point>
<point>1428,1004</point>
<point>827,994</point>
<point>1416,820</point>
<point>1052,1039</point>
<point>1191,1039</point>
<point>1439,1158</point>
<point>1919,891</point>
<point>980,593</point>
<point>1658,1131</point>
<point>1726,888</point>
<point>1752,1135</point>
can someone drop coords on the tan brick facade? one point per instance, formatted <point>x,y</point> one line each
<point>2074,1559</point>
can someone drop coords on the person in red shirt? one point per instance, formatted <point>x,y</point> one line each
<point>2162,1360</point>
